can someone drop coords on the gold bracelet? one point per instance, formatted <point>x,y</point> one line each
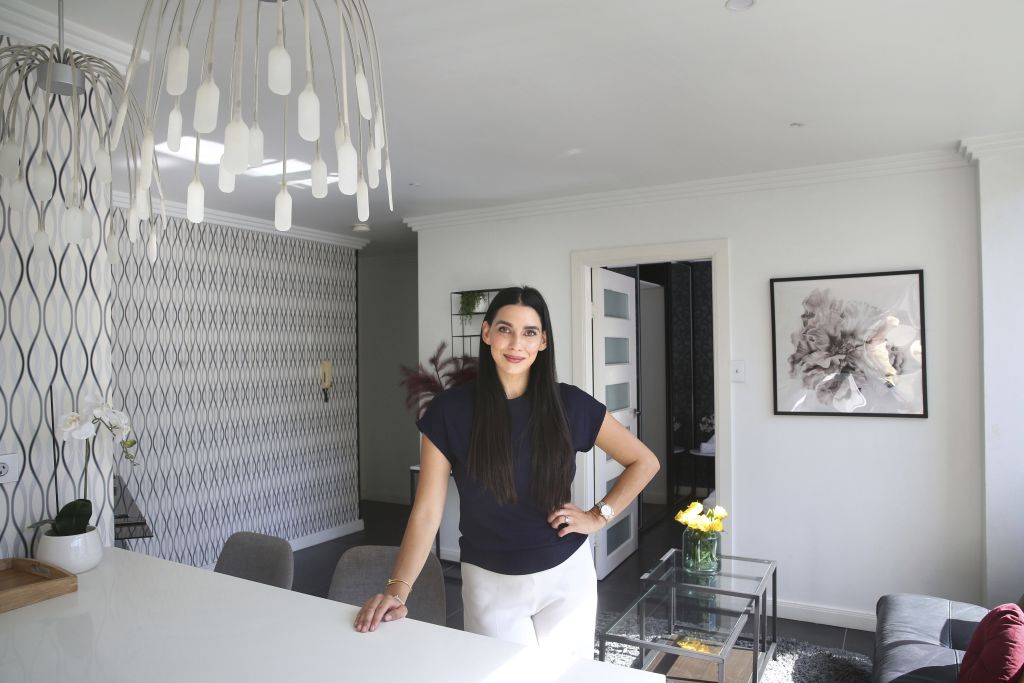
<point>392,582</point>
<point>397,597</point>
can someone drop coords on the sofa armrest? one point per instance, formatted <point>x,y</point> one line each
<point>921,638</point>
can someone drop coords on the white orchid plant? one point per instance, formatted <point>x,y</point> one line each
<point>85,425</point>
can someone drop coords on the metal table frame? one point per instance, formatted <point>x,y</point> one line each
<point>757,607</point>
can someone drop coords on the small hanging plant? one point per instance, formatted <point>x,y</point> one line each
<point>467,304</point>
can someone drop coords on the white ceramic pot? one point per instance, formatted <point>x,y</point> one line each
<point>76,554</point>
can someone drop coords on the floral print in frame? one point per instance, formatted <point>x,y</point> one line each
<point>849,345</point>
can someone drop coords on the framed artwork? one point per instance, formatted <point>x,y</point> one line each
<point>849,345</point>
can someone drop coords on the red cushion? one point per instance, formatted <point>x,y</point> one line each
<point>996,651</point>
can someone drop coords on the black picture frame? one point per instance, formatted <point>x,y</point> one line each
<point>849,345</point>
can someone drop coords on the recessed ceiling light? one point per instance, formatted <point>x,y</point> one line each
<point>739,5</point>
<point>361,227</point>
<point>209,151</point>
<point>332,178</point>
<point>273,168</point>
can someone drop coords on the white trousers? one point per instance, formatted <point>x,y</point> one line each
<point>555,608</point>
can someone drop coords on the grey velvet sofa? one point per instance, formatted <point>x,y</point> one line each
<point>920,638</point>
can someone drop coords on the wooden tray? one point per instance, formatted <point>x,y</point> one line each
<point>24,581</point>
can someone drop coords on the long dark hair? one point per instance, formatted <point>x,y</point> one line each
<point>490,447</point>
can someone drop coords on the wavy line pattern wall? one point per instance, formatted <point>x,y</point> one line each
<point>216,350</point>
<point>54,335</point>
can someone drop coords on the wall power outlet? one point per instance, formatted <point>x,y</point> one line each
<point>10,465</point>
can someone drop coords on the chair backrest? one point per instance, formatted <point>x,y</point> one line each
<point>363,571</point>
<point>257,557</point>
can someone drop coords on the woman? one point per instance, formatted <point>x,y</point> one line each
<point>510,439</point>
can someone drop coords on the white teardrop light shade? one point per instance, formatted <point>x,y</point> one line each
<point>378,131</point>
<point>348,168</point>
<point>133,225</point>
<point>113,245</point>
<point>41,180</point>
<point>88,228</point>
<point>283,210</point>
<point>15,193</point>
<point>309,114</point>
<point>146,155</point>
<point>194,205</point>
<point>177,69</point>
<point>279,71</point>
<point>10,158</point>
<point>142,204</point>
<point>40,240</point>
<point>363,94</point>
<point>362,199</point>
<point>339,140</point>
<point>236,146</point>
<point>174,129</point>
<point>387,179</point>
<point>71,224</point>
<point>207,102</point>
<point>101,162</point>
<point>255,145</point>
<point>225,179</point>
<point>373,167</point>
<point>318,174</point>
<point>151,248</point>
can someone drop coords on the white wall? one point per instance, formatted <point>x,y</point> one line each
<point>852,508</point>
<point>1001,179</point>
<point>388,438</point>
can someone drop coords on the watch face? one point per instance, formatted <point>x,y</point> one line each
<point>606,510</point>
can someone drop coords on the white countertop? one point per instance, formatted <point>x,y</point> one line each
<point>141,619</point>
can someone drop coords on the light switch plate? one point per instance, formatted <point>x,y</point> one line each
<point>10,466</point>
<point>739,371</point>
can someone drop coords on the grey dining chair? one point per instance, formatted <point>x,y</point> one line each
<point>257,557</point>
<point>364,570</point>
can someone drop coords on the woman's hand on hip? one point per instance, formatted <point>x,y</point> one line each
<point>381,607</point>
<point>569,519</point>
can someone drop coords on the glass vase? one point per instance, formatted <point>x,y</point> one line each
<point>701,552</point>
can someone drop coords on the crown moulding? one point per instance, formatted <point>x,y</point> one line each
<point>234,220</point>
<point>27,24</point>
<point>770,180</point>
<point>974,149</point>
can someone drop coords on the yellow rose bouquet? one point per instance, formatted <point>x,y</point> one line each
<point>701,537</point>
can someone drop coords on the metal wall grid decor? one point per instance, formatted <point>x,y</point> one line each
<point>849,345</point>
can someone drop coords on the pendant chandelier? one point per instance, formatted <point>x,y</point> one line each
<point>338,48</point>
<point>56,105</point>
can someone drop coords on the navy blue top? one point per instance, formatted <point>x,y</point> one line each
<point>511,538</point>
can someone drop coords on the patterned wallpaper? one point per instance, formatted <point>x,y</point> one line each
<point>54,339</point>
<point>216,352</point>
<point>213,351</point>
<point>692,349</point>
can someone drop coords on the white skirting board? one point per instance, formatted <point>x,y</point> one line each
<point>326,535</point>
<point>831,616</point>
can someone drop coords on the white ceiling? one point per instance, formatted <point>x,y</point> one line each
<point>491,103</point>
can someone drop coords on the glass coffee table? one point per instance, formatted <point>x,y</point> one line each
<point>693,627</point>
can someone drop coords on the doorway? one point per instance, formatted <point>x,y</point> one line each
<point>714,253</point>
<point>675,407</point>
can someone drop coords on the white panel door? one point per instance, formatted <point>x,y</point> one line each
<point>615,384</point>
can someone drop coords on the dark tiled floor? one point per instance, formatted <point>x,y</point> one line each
<point>385,523</point>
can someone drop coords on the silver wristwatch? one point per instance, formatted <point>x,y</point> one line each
<point>605,509</point>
